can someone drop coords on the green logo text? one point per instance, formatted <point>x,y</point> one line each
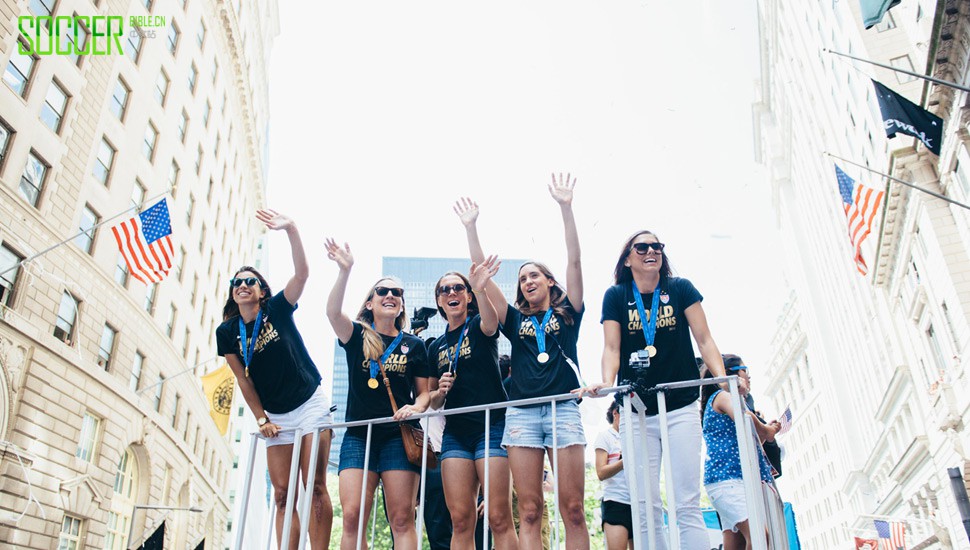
<point>106,33</point>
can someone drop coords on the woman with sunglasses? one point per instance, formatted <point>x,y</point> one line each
<point>378,352</point>
<point>466,356</point>
<point>646,316</point>
<point>542,326</point>
<point>278,379</point>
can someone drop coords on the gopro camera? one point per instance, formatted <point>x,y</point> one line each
<point>640,360</point>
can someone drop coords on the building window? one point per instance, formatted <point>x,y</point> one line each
<point>181,264</point>
<point>200,38</point>
<point>134,44</point>
<point>70,538</point>
<point>903,62</point>
<point>122,503</point>
<point>173,38</point>
<point>66,315</point>
<point>198,161</point>
<point>5,133</point>
<point>190,211</point>
<point>119,99</point>
<point>102,165</point>
<point>88,440</point>
<point>161,87</point>
<point>215,70</point>
<point>137,194</point>
<point>183,124</point>
<point>222,105</point>
<point>937,349</point>
<point>19,70</point>
<point>87,228</point>
<point>185,344</point>
<point>175,412</point>
<point>151,136</point>
<point>887,23</point>
<point>42,7</point>
<point>202,238</point>
<point>149,304</point>
<point>193,75</point>
<point>170,322</point>
<point>158,393</point>
<point>52,111</point>
<point>8,280</point>
<point>121,271</point>
<point>136,366</point>
<point>147,4</point>
<point>76,35</point>
<point>32,180</point>
<point>106,347</point>
<point>205,113</point>
<point>173,176</point>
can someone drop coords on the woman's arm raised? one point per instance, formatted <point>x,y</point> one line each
<point>341,323</point>
<point>562,191</point>
<point>301,270</point>
<point>467,211</point>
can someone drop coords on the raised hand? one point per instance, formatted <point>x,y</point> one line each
<point>342,256</point>
<point>467,211</point>
<point>480,274</point>
<point>562,189</point>
<point>274,220</point>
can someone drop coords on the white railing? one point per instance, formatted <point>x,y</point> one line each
<point>764,506</point>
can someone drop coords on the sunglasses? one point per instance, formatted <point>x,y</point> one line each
<point>642,248</point>
<point>448,289</point>
<point>248,281</point>
<point>738,368</point>
<point>383,290</point>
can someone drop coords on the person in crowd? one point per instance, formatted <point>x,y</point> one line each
<point>770,446</point>
<point>646,317</point>
<point>615,510</point>
<point>722,468</point>
<point>467,374</point>
<point>278,379</point>
<point>380,355</point>
<point>542,327</point>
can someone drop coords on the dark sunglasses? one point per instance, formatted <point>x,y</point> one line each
<point>641,248</point>
<point>248,281</point>
<point>383,290</point>
<point>448,289</point>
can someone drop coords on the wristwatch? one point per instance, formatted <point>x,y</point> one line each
<point>262,420</point>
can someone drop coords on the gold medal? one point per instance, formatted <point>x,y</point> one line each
<point>543,357</point>
<point>372,383</point>
<point>247,372</point>
<point>651,351</point>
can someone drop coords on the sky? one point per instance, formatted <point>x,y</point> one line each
<point>384,113</point>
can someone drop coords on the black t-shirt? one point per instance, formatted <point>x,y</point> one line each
<point>477,381</point>
<point>280,368</point>
<point>405,363</point>
<point>530,378</point>
<point>674,361</point>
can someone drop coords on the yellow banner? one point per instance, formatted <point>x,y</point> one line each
<point>218,387</point>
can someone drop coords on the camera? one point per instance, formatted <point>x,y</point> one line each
<point>640,360</point>
<point>419,321</point>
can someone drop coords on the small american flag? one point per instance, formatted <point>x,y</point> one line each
<point>893,533</point>
<point>785,421</point>
<point>860,204</point>
<point>145,242</point>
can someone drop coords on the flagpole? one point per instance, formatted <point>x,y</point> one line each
<point>179,373</point>
<point>897,180</point>
<point>904,71</point>
<point>71,238</point>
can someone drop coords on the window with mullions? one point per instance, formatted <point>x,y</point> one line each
<point>87,442</point>
<point>5,134</point>
<point>136,367</point>
<point>205,113</point>
<point>75,34</point>
<point>70,537</point>
<point>8,280</point>
<point>19,70</point>
<point>158,393</point>
<point>119,99</point>
<point>137,194</point>
<point>41,7</point>
<point>52,111</point>
<point>150,290</point>
<point>106,346</point>
<point>173,176</point>
<point>86,226</point>
<point>193,76</point>
<point>134,44</point>
<point>121,271</point>
<point>148,145</point>
<point>161,87</point>
<point>66,316</point>
<point>183,125</point>
<point>104,161</point>
<point>200,37</point>
<point>173,38</point>
<point>33,178</point>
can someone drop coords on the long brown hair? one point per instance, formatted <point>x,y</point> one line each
<point>557,295</point>
<point>472,306</point>
<point>622,273</point>
<point>231,309</point>
<point>373,343</point>
<point>730,360</point>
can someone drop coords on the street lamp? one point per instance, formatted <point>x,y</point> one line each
<point>131,527</point>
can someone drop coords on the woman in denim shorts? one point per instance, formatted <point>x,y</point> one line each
<point>377,338</point>
<point>466,356</point>
<point>543,326</point>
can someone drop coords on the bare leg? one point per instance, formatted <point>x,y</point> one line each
<point>616,536</point>
<point>499,501</point>
<point>526,464</point>
<point>460,484</point>
<point>321,509</point>
<point>571,476</point>
<point>399,498</point>
<point>350,480</point>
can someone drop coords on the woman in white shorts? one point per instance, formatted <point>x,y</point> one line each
<point>722,468</point>
<point>278,379</point>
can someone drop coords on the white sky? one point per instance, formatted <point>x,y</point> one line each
<point>383,113</point>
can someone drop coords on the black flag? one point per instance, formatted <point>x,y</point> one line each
<point>902,115</point>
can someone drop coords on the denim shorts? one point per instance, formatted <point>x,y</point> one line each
<point>386,453</point>
<point>532,426</point>
<point>312,413</point>
<point>472,446</point>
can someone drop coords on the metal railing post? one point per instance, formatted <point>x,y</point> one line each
<point>673,529</point>
<point>423,480</point>
<point>632,476</point>
<point>555,475</point>
<point>750,469</point>
<point>291,490</point>
<point>247,489</point>
<point>308,490</point>
<point>485,488</point>
<point>363,487</point>
<point>647,473</point>
<point>272,525</point>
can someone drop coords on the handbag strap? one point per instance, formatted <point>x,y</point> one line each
<point>387,384</point>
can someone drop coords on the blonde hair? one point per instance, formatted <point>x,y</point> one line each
<point>373,343</point>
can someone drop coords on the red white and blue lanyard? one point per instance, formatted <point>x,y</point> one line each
<point>387,353</point>
<point>649,328</point>
<point>453,361</point>
<point>247,345</point>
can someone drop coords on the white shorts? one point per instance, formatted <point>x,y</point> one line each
<point>314,412</point>
<point>728,499</point>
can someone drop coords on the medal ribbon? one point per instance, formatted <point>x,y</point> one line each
<point>649,329</point>
<point>453,361</point>
<point>541,329</point>
<point>387,353</point>
<point>247,345</point>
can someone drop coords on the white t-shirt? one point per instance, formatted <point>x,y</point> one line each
<point>614,488</point>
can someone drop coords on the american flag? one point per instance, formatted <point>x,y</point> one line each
<point>785,421</point>
<point>860,203</point>
<point>145,242</point>
<point>892,532</point>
